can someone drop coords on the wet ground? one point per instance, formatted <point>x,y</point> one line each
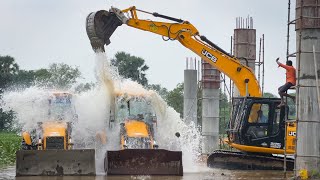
<point>8,173</point>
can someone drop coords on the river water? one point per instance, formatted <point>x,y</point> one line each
<point>8,173</point>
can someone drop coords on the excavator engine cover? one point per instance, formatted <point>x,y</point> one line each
<point>55,162</point>
<point>100,26</point>
<point>144,162</point>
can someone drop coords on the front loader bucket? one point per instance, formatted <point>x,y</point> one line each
<point>100,26</point>
<point>144,162</point>
<point>55,162</point>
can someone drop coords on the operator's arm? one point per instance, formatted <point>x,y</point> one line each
<point>282,65</point>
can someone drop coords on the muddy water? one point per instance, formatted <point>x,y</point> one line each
<point>207,174</point>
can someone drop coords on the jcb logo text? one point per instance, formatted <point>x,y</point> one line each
<point>209,55</point>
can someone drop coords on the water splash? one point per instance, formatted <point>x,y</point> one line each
<point>93,109</point>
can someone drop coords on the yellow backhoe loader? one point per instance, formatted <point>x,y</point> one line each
<point>255,140</point>
<point>48,149</point>
<point>139,154</point>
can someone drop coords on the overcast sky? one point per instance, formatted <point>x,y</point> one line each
<point>37,33</point>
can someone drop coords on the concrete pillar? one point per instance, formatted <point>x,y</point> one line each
<point>245,44</point>
<point>210,108</point>
<point>308,120</point>
<point>190,90</point>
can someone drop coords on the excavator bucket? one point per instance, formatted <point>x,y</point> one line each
<point>55,162</point>
<point>100,26</point>
<point>144,162</point>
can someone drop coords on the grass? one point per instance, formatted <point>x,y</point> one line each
<point>9,144</point>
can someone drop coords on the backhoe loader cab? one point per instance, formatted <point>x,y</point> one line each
<point>61,107</point>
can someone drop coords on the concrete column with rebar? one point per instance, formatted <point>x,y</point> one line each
<point>190,90</point>
<point>210,108</point>
<point>245,43</point>
<point>308,71</point>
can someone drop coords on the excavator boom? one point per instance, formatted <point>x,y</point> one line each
<point>102,24</point>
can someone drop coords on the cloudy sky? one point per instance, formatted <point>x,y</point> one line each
<point>37,33</point>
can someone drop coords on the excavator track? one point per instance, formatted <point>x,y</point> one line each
<point>238,160</point>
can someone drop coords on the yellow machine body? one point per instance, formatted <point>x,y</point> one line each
<point>48,149</point>
<point>136,129</point>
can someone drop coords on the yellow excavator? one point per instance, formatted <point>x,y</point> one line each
<point>48,148</point>
<point>139,154</point>
<point>255,139</point>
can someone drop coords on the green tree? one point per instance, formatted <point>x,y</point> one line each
<point>269,95</point>
<point>60,76</point>
<point>8,69</point>
<point>83,87</point>
<point>131,67</point>
<point>6,120</point>
<point>224,112</point>
<point>175,99</point>
<point>162,91</point>
<point>24,79</point>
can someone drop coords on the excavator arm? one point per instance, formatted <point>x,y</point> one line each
<point>102,24</point>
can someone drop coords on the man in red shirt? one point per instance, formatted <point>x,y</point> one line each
<point>290,80</point>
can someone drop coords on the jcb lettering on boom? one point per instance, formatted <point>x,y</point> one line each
<point>209,55</point>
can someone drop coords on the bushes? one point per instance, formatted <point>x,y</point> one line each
<point>9,144</point>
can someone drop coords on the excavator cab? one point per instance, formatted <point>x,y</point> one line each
<point>257,122</point>
<point>257,128</point>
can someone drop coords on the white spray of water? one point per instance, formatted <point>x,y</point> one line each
<point>169,121</point>
<point>93,109</point>
<point>30,106</point>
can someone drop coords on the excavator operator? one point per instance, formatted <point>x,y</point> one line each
<point>290,80</point>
